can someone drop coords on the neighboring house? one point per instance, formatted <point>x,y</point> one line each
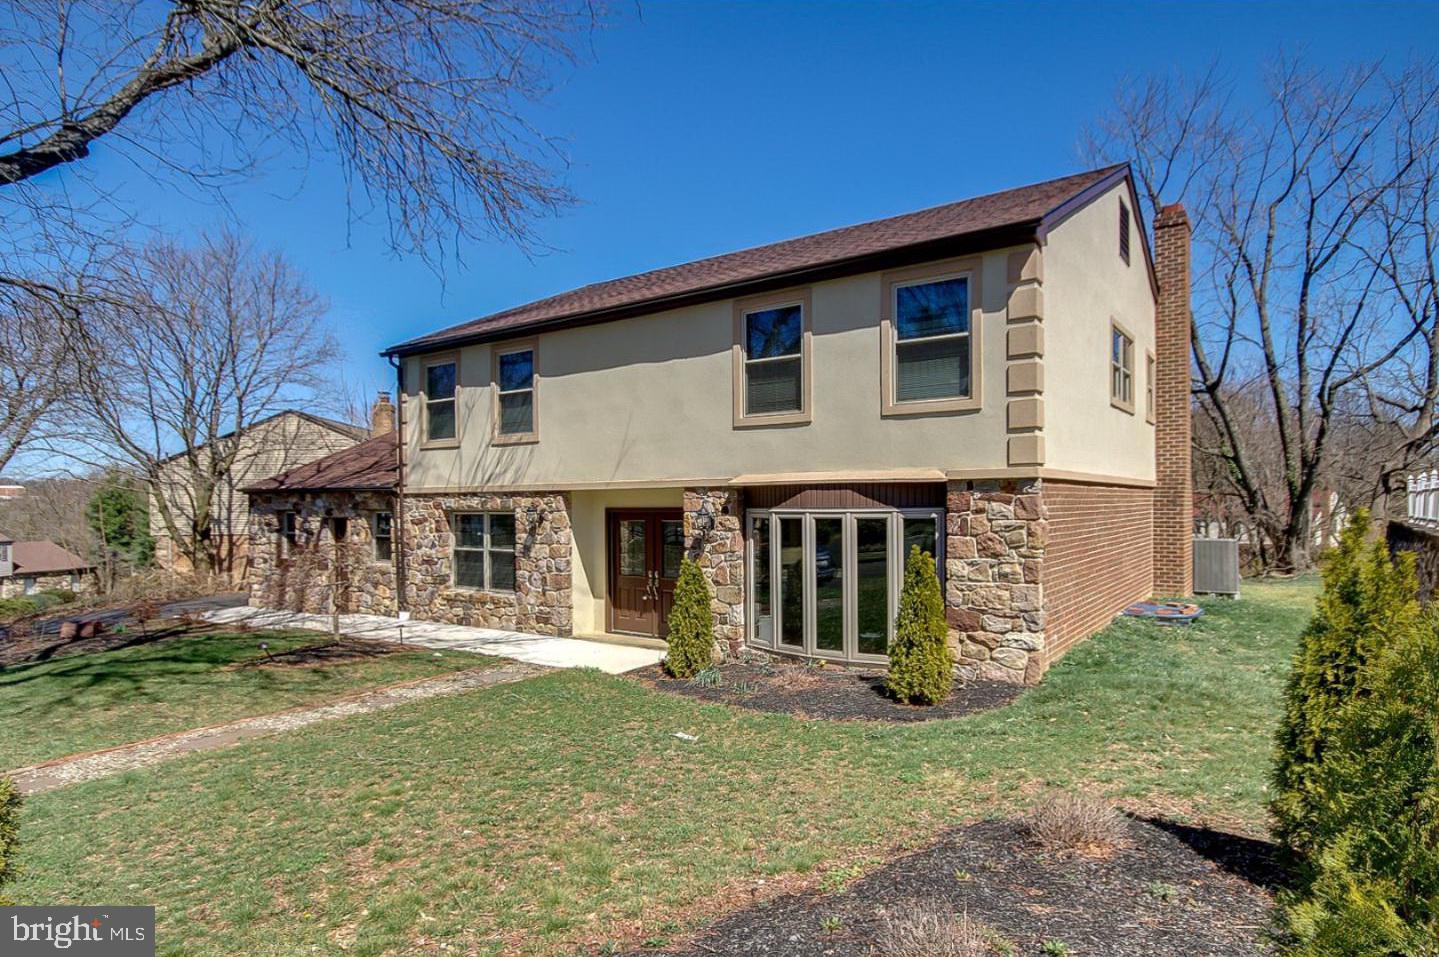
<point>1002,381</point>
<point>30,567</point>
<point>271,446</point>
<point>10,489</point>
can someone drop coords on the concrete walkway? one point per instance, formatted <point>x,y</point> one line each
<point>142,754</point>
<point>532,649</point>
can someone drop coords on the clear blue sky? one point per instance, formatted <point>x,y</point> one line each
<point>695,129</point>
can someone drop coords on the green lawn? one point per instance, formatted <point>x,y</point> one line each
<point>68,705</point>
<point>562,811</point>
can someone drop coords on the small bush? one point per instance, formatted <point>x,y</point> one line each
<point>61,596</point>
<point>921,666</point>
<point>9,836</point>
<point>1367,601</point>
<point>1370,884</point>
<point>918,929</point>
<point>1073,823</point>
<point>18,607</point>
<point>692,634</point>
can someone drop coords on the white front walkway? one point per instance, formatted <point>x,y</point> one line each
<point>533,649</point>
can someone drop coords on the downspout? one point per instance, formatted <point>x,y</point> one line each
<point>398,524</point>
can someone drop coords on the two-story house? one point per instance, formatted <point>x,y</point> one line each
<point>1003,381</point>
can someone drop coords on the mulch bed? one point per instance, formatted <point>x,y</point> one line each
<point>832,693</point>
<point>339,651</point>
<point>1176,891</point>
<point>25,645</point>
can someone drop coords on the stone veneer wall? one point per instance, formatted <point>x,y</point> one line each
<point>323,572</point>
<point>14,586</point>
<point>714,538</point>
<point>542,602</point>
<point>995,539</point>
<point>1099,560</point>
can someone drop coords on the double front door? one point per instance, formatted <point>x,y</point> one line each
<point>645,546</point>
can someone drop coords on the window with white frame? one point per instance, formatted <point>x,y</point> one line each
<point>383,532</point>
<point>441,408</point>
<point>484,551</point>
<point>932,345</point>
<point>1121,368</point>
<point>774,360</point>
<point>515,386</point>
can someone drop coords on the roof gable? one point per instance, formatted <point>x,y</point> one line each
<point>372,465</point>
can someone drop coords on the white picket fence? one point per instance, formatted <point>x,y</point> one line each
<point>1423,497</point>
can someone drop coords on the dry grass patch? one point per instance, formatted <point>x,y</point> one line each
<point>1076,824</point>
<point>918,929</point>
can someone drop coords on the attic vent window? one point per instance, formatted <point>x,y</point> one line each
<point>1124,232</point>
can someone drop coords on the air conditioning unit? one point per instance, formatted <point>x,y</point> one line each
<point>1216,566</point>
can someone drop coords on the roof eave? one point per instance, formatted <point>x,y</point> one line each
<point>1012,234</point>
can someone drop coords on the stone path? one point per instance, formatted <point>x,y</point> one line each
<point>533,649</point>
<point>141,754</point>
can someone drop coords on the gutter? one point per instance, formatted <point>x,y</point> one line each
<point>397,522</point>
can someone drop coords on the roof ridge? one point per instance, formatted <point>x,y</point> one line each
<point>1012,208</point>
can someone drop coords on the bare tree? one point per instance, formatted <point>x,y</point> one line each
<point>419,101</point>
<point>1302,205</point>
<point>206,343</point>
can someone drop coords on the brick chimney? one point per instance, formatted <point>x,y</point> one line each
<point>1174,489</point>
<point>382,416</point>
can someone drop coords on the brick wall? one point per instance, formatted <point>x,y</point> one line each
<point>1097,560</point>
<point>1174,493</point>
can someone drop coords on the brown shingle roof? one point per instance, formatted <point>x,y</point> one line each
<point>371,465</point>
<point>1003,216</point>
<point>44,558</point>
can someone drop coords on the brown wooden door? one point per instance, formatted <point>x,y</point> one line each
<point>645,547</point>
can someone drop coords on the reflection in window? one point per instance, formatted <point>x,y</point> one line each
<point>517,392</point>
<point>440,401</point>
<point>632,547</point>
<point>773,366</point>
<point>829,584</point>
<point>672,538</point>
<point>872,584</point>
<point>791,582</point>
<point>931,351</point>
<point>763,601</point>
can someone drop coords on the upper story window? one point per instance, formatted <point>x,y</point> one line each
<point>1121,368</point>
<point>515,391</point>
<point>441,409</point>
<point>772,360</point>
<point>1124,232</point>
<point>931,340</point>
<point>484,550</point>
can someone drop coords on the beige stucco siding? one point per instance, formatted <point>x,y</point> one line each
<point>650,399</point>
<point>1086,283</point>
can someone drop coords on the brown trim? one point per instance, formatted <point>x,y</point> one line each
<point>852,496</point>
<point>1015,234</point>
<point>1149,396</point>
<point>972,269</point>
<point>532,346</point>
<point>742,307</point>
